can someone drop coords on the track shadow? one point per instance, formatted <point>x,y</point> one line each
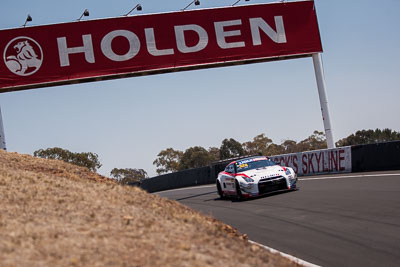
<point>234,199</point>
<point>267,195</point>
<point>198,195</point>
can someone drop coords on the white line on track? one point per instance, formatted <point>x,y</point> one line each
<point>350,176</point>
<point>300,179</point>
<point>287,256</point>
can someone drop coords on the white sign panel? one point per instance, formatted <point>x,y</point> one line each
<point>337,160</point>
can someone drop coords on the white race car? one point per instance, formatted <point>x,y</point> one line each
<point>254,176</point>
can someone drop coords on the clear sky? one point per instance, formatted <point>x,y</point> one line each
<point>127,122</point>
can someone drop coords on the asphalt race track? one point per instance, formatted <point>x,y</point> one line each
<point>335,220</point>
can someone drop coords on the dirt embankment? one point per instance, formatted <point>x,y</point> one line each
<point>57,214</point>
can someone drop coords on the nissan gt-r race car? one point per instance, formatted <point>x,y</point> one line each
<point>254,176</point>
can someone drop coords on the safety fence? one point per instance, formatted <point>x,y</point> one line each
<point>360,158</point>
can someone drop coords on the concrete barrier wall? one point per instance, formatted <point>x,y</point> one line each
<point>372,157</point>
<point>180,179</point>
<point>376,157</point>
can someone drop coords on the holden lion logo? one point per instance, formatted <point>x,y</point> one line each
<point>23,56</point>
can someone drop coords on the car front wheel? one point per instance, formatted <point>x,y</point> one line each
<point>238,191</point>
<point>220,193</point>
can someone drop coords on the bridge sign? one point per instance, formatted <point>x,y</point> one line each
<point>120,47</point>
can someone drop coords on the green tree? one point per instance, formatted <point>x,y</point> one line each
<point>369,137</point>
<point>168,161</point>
<point>274,149</point>
<point>315,141</point>
<point>195,157</point>
<point>128,175</point>
<point>259,145</point>
<point>230,148</point>
<point>289,146</point>
<point>214,153</point>
<point>85,159</point>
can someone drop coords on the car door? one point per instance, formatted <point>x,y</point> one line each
<point>228,179</point>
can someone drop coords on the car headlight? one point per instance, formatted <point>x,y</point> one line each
<point>246,178</point>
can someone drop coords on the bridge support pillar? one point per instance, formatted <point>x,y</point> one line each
<point>2,137</point>
<point>323,99</point>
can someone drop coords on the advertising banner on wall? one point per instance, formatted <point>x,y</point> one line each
<point>337,160</point>
<point>92,50</point>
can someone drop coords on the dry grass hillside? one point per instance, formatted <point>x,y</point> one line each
<point>56,214</point>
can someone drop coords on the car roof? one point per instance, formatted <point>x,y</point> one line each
<point>250,159</point>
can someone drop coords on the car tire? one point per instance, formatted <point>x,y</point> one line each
<point>238,191</point>
<point>220,193</point>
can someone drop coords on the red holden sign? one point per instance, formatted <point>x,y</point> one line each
<point>129,46</point>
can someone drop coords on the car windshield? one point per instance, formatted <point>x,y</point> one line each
<point>249,164</point>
